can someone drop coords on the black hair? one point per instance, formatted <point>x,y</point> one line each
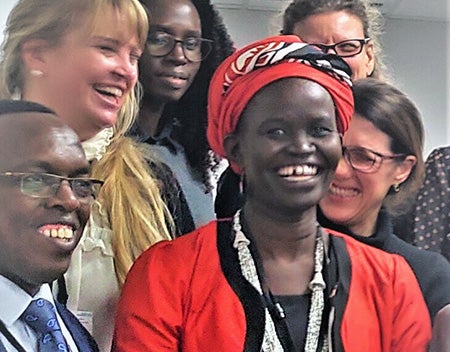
<point>13,106</point>
<point>191,110</point>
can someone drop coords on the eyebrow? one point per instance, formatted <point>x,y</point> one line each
<point>114,42</point>
<point>168,30</point>
<point>48,167</point>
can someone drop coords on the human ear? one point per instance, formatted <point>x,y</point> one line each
<point>231,145</point>
<point>404,169</point>
<point>33,55</point>
<point>370,65</point>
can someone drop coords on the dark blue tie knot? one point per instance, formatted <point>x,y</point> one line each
<point>40,315</point>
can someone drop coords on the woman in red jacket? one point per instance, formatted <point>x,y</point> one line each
<point>270,278</point>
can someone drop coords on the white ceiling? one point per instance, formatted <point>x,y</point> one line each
<point>437,10</point>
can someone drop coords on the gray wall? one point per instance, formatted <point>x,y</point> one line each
<point>5,7</point>
<point>418,53</point>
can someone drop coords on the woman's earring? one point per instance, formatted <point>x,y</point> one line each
<point>241,183</point>
<point>36,73</point>
<point>396,187</point>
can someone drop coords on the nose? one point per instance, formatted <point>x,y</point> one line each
<point>302,144</point>
<point>177,53</point>
<point>64,198</point>
<point>127,68</point>
<point>329,50</point>
<point>344,169</point>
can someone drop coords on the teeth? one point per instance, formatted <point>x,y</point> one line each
<point>299,170</point>
<point>177,76</point>
<point>111,91</point>
<point>343,192</point>
<point>57,231</point>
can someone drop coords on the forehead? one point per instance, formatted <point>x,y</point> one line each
<point>177,13</point>
<point>362,132</point>
<point>30,138</point>
<point>337,25</point>
<point>110,22</point>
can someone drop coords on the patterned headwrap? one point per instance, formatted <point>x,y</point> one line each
<point>255,66</point>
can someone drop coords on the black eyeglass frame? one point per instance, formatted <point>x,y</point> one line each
<point>204,51</point>
<point>376,162</point>
<point>95,184</point>
<point>326,47</point>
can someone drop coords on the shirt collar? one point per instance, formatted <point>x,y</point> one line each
<point>378,239</point>
<point>14,300</point>
<point>164,138</point>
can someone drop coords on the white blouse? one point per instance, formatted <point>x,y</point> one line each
<point>91,280</point>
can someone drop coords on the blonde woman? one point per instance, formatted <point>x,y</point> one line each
<point>80,58</point>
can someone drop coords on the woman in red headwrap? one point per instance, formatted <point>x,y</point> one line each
<point>270,278</point>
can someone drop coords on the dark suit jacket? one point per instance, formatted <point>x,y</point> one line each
<point>80,335</point>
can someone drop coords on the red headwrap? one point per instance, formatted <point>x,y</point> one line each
<point>255,66</point>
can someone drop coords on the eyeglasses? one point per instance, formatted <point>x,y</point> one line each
<point>42,185</point>
<point>366,160</point>
<point>194,49</point>
<point>345,48</point>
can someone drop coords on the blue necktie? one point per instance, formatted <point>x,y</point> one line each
<point>41,317</point>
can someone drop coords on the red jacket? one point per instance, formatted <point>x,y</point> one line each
<point>189,295</point>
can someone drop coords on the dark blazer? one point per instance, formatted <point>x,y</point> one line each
<point>80,335</point>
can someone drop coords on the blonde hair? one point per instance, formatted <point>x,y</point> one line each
<point>131,194</point>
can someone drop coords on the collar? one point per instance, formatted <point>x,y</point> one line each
<point>14,300</point>
<point>383,229</point>
<point>163,138</point>
<point>95,147</point>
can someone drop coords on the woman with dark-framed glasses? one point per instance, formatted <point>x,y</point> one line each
<point>378,177</point>
<point>349,29</point>
<point>186,42</point>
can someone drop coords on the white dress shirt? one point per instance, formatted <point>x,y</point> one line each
<point>13,302</point>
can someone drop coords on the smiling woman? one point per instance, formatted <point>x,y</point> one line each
<point>378,177</point>
<point>80,58</point>
<point>271,274</point>
<point>187,40</point>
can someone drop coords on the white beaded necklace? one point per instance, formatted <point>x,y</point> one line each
<point>271,342</point>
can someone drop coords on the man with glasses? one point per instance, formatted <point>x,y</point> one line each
<point>46,196</point>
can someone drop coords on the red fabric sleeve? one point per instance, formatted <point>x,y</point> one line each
<point>411,325</point>
<point>386,310</point>
<point>150,312</point>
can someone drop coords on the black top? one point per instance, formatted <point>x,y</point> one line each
<point>170,187</point>
<point>431,269</point>
<point>174,198</point>
<point>296,308</point>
